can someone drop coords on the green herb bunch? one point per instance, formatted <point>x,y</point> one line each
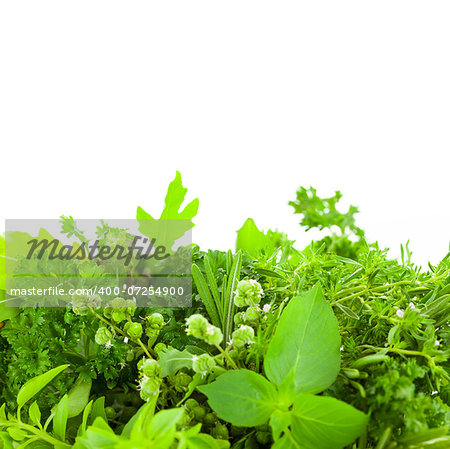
<point>330,346</point>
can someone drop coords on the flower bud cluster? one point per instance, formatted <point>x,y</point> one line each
<point>248,293</point>
<point>103,336</point>
<point>203,364</point>
<point>120,309</point>
<point>133,330</point>
<point>155,322</point>
<point>251,316</point>
<point>243,336</point>
<point>150,378</point>
<point>199,327</point>
<point>181,382</point>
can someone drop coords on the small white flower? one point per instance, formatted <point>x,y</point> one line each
<point>142,382</point>
<point>341,348</point>
<point>108,344</point>
<point>437,343</point>
<point>125,340</point>
<point>434,392</point>
<point>266,308</point>
<point>400,313</point>
<point>412,306</point>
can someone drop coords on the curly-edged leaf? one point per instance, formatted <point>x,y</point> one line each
<point>173,201</point>
<point>306,341</point>
<point>171,360</point>
<point>35,385</point>
<point>241,397</point>
<point>320,422</point>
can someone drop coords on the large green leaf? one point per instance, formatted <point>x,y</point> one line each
<point>320,422</point>
<point>241,397</point>
<point>306,342</point>
<point>35,385</point>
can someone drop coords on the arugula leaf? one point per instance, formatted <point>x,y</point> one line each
<point>172,360</point>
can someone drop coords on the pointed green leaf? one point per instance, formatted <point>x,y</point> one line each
<point>35,385</point>
<point>35,413</point>
<point>84,421</point>
<point>233,276</point>
<point>213,286</point>
<point>141,214</point>
<point>60,418</point>
<point>251,240</point>
<point>98,410</point>
<point>306,340</point>
<point>205,295</point>
<point>241,397</point>
<point>78,397</point>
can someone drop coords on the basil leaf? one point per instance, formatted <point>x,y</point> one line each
<point>241,397</point>
<point>321,422</point>
<point>78,397</point>
<point>306,341</point>
<point>164,422</point>
<point>35,413</point>
<point>35,385</point>
<point>60,418</point>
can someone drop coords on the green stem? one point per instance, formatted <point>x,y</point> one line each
<point>107,322</point>
<point>39,433</point>
<point>383,287</point>
<point>355,295</point>
<point>384,440</point>
<point>409,352</point>
<point>227,356</point>
<point>350,290</point>
<point>144,348</point>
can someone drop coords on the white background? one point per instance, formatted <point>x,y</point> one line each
<point>101,101</point>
